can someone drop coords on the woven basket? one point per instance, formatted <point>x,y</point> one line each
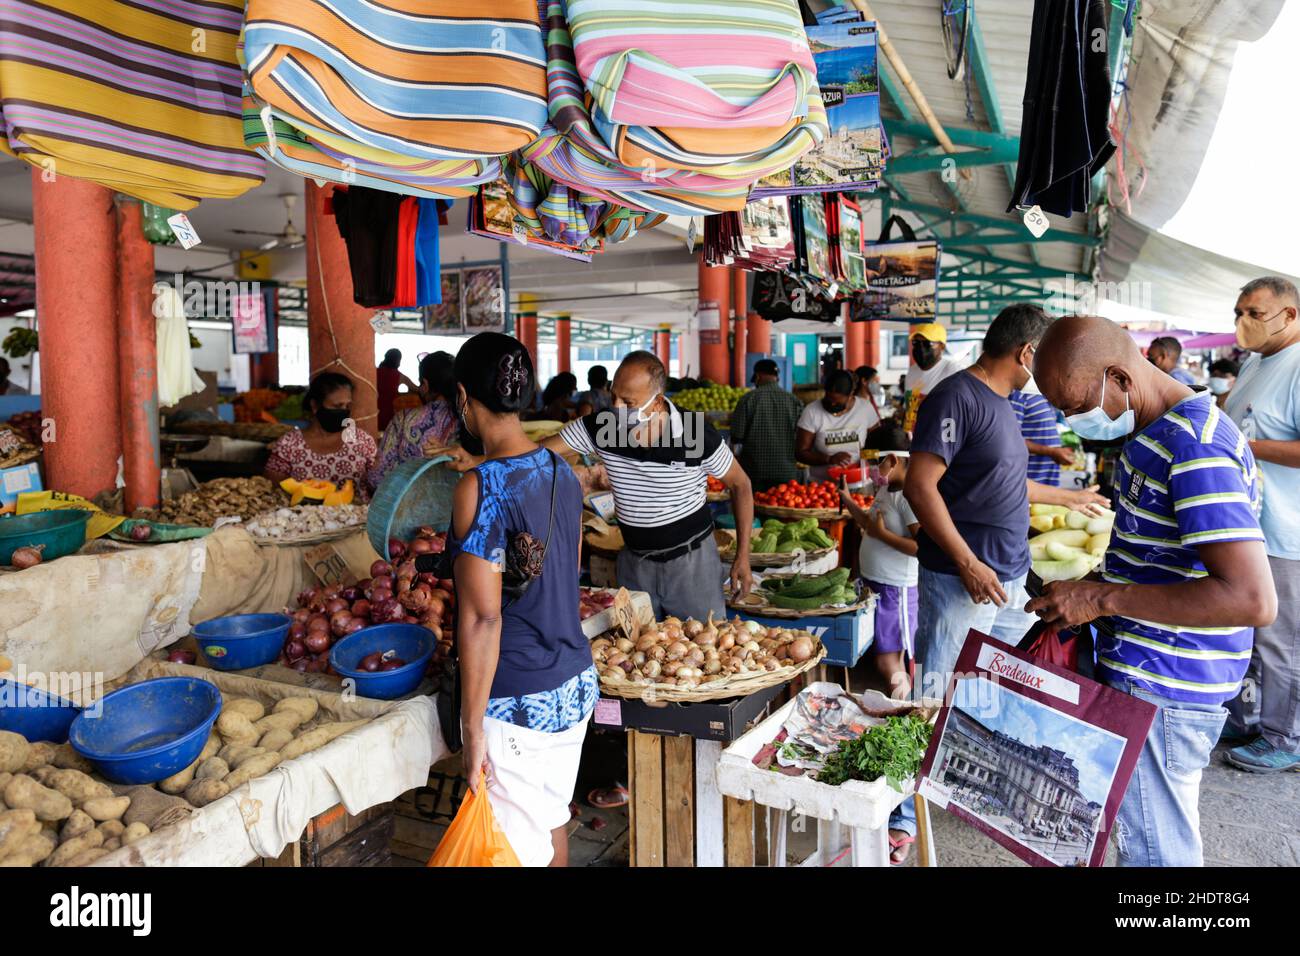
<point>319,537</point>
<point>717,497</point>
<point>795,514</point>
<point>773,559</point>
<point>791,614</point>
<point>722,690</point>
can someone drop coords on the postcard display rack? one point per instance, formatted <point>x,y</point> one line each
<point>852,819</point>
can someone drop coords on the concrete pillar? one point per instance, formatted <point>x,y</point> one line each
<point>714,294</point>
<point>739,327</point>
<point>138,361</point>
<point>758,334</point>
<point>339,336</point>
<point>855,345</point>
<point>663,346</point>
<point>76,302</point>
<point>871,332</point>
<point>563,349</point>
<point>526,325</point>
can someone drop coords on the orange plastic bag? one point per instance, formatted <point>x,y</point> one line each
<point>474,837</point>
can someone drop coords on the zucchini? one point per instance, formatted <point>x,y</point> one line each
<point>797,603</point>
<point>818,586</point>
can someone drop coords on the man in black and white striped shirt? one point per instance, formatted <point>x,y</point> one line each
<point>657,458</point>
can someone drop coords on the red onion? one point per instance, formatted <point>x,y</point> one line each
<point>410,619</point>
<point>305,597</point>
<point>396,548</point>
<point>302,614</point>
<point>27,556</point>
<point>141,532</point>
<point>361,608</point>
<point>421,546</point>
<point>396,614</point>
<point>370,663</point>
<point>425,531</point>
<point>301,665</point>
<point>427,577</point>
<point>382,581</point>
<point>334,605</point>
<point>380,594</point>
<point>392,665</point>
<point>317,667</point>
<point>380,567</point>
<point>447,584</point>
<point>350,593</point>
<point>318,625</point>
<point>355,625</point>
<point>317,641</point>
<point>363,584</point>
<point>298,629</point>
<point>416,599</point>
<point>181,657</point>
<point>437,545</point>
<point>380,607</point>
<point>339,621</point>
<point>295,649</point>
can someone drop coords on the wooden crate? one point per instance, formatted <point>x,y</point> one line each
<point>337,838</point>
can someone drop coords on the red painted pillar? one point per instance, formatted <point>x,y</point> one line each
<point>855,342</point>
<point>138,361</point>
<point>264,369</point>
<point>563,349</point>
<point>871,331</point>
<point>758,335</point>
<point>739,328</point>
<point>339,336</point>
<point>76,279</point>
<point>715,298</point>
<point>663,346</point>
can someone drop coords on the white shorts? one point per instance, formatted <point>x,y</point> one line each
<point>531,776</point>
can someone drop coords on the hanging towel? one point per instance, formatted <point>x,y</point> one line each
<point>367,219</point>
<point>428,268</point>
<point>421,78</point>
<point>120,93</point>
<point>176,375</point>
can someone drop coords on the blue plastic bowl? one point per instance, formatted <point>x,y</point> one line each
<point>34,713</point>
<point>148,731</point>
<point>413,643</point>
<point>242,640</point>
<point>62,532</point>
<point>415,493</point>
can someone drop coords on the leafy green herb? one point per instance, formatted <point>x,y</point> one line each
<point>893,750</point>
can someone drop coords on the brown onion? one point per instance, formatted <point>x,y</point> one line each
<point>425,531</point>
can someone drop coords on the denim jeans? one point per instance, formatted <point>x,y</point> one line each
<point>1159,821</point>
<point>947,614</point>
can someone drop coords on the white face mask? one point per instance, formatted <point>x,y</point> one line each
<point>1219,386</point>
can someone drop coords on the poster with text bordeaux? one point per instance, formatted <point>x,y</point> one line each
<point>1033,755</point>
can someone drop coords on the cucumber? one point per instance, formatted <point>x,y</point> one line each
<point>796,603</point>
<point>820,538</point>
<point>819,585</point>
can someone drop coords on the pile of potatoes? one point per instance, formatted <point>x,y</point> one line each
<point>53,812</point>
<point>248,742</point>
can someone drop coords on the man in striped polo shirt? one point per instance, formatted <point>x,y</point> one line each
<point>1186,574</point>
<point>1038,426</point>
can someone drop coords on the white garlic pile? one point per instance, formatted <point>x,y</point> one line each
<point>306,519</point>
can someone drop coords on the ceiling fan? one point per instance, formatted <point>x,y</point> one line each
<point>287,238</point>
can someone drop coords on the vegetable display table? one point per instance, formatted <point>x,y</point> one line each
<point>859,807</point>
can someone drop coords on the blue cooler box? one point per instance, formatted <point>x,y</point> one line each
<point>846,636</point>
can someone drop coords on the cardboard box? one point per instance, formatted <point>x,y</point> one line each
<point>14,481</point>
<point>709,720</point>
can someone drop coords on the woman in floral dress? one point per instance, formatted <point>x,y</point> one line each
<point>331,448</point>
<point>417,432</point>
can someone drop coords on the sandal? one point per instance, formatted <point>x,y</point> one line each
<point>899,843</point>
<point>608,798</point>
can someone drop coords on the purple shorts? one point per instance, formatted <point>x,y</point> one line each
<point>895,617</point>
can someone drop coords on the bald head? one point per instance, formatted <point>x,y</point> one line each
<point>1074,355</point>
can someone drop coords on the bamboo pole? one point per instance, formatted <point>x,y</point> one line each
<point>909,84</point>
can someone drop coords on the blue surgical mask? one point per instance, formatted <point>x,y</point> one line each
<point>1219,386</point>
<point>1096,425</point>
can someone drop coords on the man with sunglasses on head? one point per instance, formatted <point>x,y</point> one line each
<point>1265,404</point>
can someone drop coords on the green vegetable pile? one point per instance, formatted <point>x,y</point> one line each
<point>893,750</point>
<point>805,593</point>
<point>780,537</point>
<point>19,342</point>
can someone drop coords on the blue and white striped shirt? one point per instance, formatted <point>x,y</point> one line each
<point>1187,479</point>
<point>1037,420</point>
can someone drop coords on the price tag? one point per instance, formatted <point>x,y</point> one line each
<point>184,232</point>
<point>519,232</point>
<point>609,712</point>
<point>382,324</point>
<point>325,562</point>
<point>1036,222</point>
<point>692,232</point>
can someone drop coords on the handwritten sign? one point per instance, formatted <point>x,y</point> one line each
<point>325,562</point>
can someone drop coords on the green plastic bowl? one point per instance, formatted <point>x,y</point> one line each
<point>62,532</point>
<point>417,492</point>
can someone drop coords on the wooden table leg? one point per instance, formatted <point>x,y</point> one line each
<point>647,795</point>
<point>740,831</point>
<point>679,801</point>
<point>708,805</point>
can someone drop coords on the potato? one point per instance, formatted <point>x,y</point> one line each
<point>77,786</point>
<point>178,781</point>
<point>115,843</point>
<point>15,827</point>
<point>210,748</point>
<point>39,754</point>
<point>112,828</point>
<point>106,808</point>
<point>304,707</point>
<point>89,857</point>
<point>202,792</point>
<point>80,822</point>
<point>214,768</point>
<point>5,777</point>
<point>133,833</point>
<point>13,751</point>
<point>275,739</point>
<point>232,753</point>
<point>155,809</point>
<point>33,850</point>
<point>236,729</point>
<point>319,737</point>
<point>246,706</point>
<point>67,852</point>
<point>25,793</point>
<point>252,768</point>
<point>283,721</point>
<point>66,758</point>
<point>43,775</point>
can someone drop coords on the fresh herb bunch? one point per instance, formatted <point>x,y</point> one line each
<point>19,342</point>
<point>892,750</point>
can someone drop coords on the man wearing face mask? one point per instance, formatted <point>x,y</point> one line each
<point>1265,403</point>
<point>1223,375</point>
<point>1186,576</point>
<point>968,484</point>
<point>657,458</point>
<point>929,344</point>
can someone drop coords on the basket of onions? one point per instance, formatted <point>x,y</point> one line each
<point>393,594</point>
<point>686,661</point>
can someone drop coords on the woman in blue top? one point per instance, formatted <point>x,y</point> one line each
<point>528,684</point>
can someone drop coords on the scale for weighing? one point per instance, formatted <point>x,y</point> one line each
<point>176,480</point>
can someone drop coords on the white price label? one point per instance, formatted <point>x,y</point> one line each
<point>382,324</point>
<point>519,232</point>
<point>692,231</point>
<point>1036,222</point>
<point>183,231</point>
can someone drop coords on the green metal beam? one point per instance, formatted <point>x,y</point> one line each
<point>960,136</point>
<point>1030,269</point>
<point>913,163</point>
<point>1009,239</point>
<point>895,94</point>
<point>971,218</point>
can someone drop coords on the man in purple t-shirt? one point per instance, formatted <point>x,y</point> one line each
<point>969,486</point>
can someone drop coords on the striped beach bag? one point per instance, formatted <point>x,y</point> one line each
<point>142,96</point>
<point>427,79</point>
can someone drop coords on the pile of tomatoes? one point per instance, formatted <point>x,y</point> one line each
<point>791,494</point>
<point>715,484</point>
